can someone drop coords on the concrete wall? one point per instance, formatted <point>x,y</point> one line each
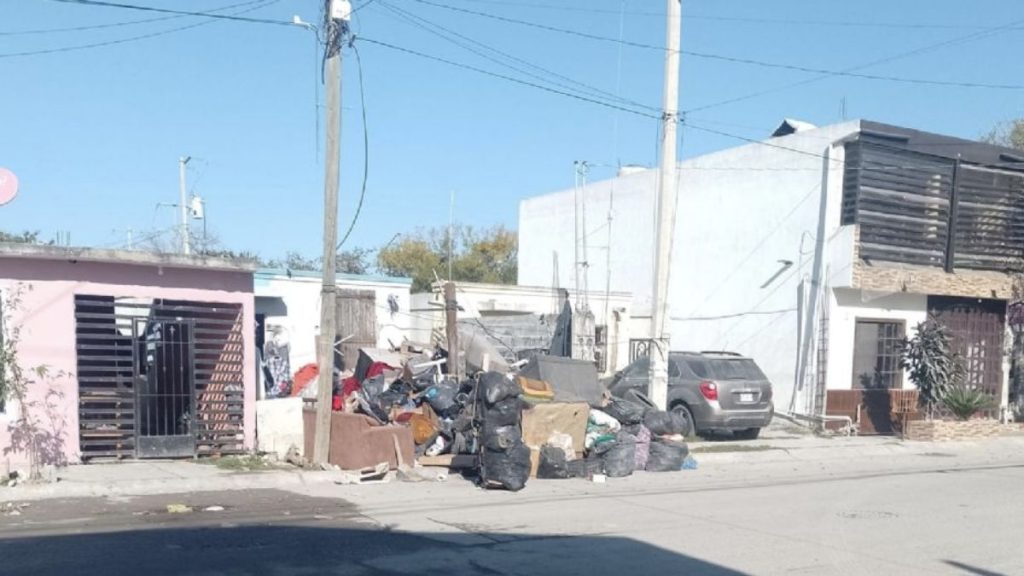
<point>478,299</point>
<point>846,306</point>
<point>46,316</point>
<point>740,212</point>
<point>294,303</point>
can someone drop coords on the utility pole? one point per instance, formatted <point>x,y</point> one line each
<point>665,216</point>
<point>186,244</point>
<point>338,14</point>
<point>451,315</point>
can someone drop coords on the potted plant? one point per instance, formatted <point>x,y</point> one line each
<point>966,401</point>
<point>934,368</point>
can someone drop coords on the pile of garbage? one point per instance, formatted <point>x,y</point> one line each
<point>507,425</point>
<point>623,435</point>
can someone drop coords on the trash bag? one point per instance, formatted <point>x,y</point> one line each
<point>584,467</point>
<point>634,395</point>
<point>666,455</point>
<point>643,447</point>
<point>441,396</point>
<point>552,463</point>
<point>662,423</point>
<point>502,438</point>
<point>497,387</point>
<point>373,387</point>
<point>508,469</point>
<point>625,411</point>
<point>620,458</point>
<point>504,413</point>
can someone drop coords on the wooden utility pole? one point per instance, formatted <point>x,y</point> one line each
<point>451,313</point>
<point>338,14</point>
<point>665,217</point>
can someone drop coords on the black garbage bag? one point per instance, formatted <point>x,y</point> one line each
<point>662,423</point>
<point>666,455</point>
<point>625,411</point>
<point>442,396</point>
<point>635,395</point>
<point>620,458</point>
<point>381,404</point>
<point>552,463</point>
<point>496,387</point>
<point>584,467</point>
<point>373,387</point>
<point>504,413</point>
<point>508,469</point>
<point>502,438</point>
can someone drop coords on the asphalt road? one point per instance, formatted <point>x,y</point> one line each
<point>940,516</point>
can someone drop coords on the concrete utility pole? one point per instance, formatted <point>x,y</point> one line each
<point>186,244</point>
<point>665,216</point>
<point>451,318</point>
<point>338,14</point>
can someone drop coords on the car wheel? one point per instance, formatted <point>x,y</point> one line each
<point>748,434</point>
<point>687,416</point>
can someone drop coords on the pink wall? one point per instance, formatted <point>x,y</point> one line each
<point>47,320</point>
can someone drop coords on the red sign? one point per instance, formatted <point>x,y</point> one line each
<point>8,186</point>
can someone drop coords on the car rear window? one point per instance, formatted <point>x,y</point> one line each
<point>736,369</point>
<point>696,365</point>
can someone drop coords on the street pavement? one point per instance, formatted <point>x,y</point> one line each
<point>874,507</point>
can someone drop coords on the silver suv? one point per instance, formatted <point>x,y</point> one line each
<point>712,391</point>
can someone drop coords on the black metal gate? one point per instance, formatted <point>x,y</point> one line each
<point>165,389</point>
<point>977,329</point>
<point>159,378</point>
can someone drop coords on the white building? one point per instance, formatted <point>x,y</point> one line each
<point>815,252</point>
<point>373,311</point>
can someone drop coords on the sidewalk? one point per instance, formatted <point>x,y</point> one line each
<point>721,461</point>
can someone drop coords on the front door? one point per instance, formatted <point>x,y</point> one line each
<point>165,389</point>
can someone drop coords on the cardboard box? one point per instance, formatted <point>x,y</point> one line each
<point>541,421</point>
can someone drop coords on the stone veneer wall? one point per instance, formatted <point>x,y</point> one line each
<point>947,430</point>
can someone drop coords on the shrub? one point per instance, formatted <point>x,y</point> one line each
<point>965,401</point>
<point>933,366</point>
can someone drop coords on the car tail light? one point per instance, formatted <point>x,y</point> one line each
<point>709,389</point>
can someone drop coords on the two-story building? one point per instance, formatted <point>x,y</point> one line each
<point>816,252</point>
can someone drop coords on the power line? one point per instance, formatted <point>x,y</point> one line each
<point>366,147</point>
<point>178,12</point>
<point>741,19</point>
<point>147,36</point>
<point>735,60</point>
<point>93,26</point>
<point>887,59</point>
<point>433,28</point>
<point>736,315</point>
<point>509,78</point>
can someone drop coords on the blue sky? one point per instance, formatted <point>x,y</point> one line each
<point>94,134</point>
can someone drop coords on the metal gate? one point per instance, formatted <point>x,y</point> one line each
<point>165,389</point>
<point>159,378</point>
<point>977,330</point>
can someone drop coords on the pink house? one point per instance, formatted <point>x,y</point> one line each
<point>146,355</point>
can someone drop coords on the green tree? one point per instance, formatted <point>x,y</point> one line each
<point>25,237</point>
<point>476,256</point>
<point>1009,134</point>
